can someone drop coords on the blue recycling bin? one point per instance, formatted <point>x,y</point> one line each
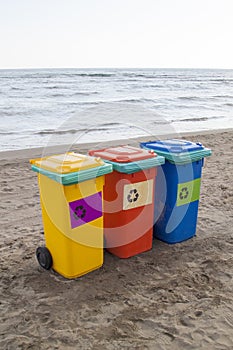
<point>178,188</point>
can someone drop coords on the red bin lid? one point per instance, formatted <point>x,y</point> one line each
<point>123,154</point>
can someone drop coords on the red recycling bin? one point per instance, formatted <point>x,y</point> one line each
<point>129,199</point>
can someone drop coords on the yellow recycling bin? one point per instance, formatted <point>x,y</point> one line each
<point>71,194</point>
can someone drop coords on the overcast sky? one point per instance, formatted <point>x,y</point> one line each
<point>116,33</point>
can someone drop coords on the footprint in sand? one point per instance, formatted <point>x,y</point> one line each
<point>7,190</point>
<point>31,205</point>
<point>200,278</point>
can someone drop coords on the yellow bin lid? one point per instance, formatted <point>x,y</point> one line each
<point>67,163</point>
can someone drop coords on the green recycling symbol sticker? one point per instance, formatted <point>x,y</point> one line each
<point>188,192</point>
<point>184,192</point>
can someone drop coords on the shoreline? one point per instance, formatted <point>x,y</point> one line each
<point>36,152</point>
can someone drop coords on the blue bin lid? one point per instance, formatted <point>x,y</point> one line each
<point>178,151</point>
<point>174,146</point>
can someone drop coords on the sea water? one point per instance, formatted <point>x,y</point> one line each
<point>59,106</point>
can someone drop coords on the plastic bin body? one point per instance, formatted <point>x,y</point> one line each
<point>73,221</point>
<point>128,200</point>
<point>126,231</point>
<point>177,221</point>
<point>178,189</point>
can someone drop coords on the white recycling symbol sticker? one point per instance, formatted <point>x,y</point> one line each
<point>138,194</point>
<point>133,195</point>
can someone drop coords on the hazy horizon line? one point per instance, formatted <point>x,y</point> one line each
<point>113,68</point>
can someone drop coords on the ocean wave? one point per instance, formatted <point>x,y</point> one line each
<point>95,75</point>
<point>54,87</point>
<point>56,132</point>
<point>223,96</point>
<point>149,76</point>
<point>161,122</point>
<point>153,86</point>
<point>57,74</point>
<point>84,93</point>
<point>101,127</point>
<point>67,93</point>
<point>67,88</point>
<point>131,74</point>
<point>11,113</point>
<point>35,76</point>
<point>90,103</point>
<point>195,119</point>
<point>57,95</point>
<point>15,88</point>
<point>204,98</point>
<point>135,100</point>
<point>221,80</point>
<point>189,98</point>
<point>91,75</point>
<point>9,132</point>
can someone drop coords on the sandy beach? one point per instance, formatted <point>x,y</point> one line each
<point>172,297</point>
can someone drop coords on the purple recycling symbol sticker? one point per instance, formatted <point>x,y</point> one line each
<point>85,210</point>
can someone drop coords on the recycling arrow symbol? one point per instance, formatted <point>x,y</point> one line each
<point>79,212</point>
<point>184,193</point>
<point>133,196</point>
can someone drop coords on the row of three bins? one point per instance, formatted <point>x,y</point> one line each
<point>116,198</point>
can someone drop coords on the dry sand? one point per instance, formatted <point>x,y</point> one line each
<point>173,297</point>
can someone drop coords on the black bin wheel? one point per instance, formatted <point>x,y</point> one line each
<point>44,257</point>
